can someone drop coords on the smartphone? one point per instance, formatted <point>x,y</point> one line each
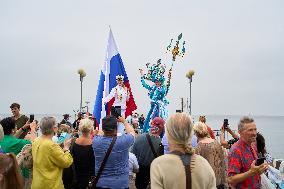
<point>226,123</point>
<point>32,117</point>
<point>260,161</point>
<point>115,111</point>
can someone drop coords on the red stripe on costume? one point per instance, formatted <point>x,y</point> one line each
<point>130,104</point>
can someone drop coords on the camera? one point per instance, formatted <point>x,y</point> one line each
<point>226,124</point>
<point>115,111</point>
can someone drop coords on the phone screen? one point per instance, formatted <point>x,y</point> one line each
<point>226,123</point>
<point>32,117</point>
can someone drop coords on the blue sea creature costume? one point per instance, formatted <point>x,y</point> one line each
<point>157,92</point>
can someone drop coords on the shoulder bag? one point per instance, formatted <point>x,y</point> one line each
<point>186,159</point>
<point>93,182</point>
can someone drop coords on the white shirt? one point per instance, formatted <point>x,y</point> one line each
<point>133,163</point>
<point>120,128</point>
<point>121,95</point>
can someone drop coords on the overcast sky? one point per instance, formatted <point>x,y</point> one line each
<point>235,47</point>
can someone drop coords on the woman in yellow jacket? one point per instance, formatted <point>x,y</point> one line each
<point>49,159</point>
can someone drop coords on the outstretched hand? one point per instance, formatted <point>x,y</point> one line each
<point>33,126</point>
<point>258,169</point>
<point>27,125</point>
<point>121,119</point>
<point>67,144</point>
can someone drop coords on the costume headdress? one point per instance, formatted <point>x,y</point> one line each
<point>119,77</point>
<point>156,72</point>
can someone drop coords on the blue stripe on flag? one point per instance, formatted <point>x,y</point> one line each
<point>99,97</point>
<point>116,68</point>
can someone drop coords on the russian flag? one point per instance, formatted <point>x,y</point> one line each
<point>112,67</point>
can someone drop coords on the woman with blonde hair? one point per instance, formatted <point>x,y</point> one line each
<point>212,151</point>
<point>83,154</point>
<point>181,168</point>
<point>10,176</point>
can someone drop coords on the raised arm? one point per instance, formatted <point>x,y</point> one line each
<point>234,135</point>
<point>223,142</point>
<point>62,158</point>
<point>144,84</point>
<point>128,128</point>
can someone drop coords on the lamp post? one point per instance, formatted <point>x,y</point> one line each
<point>82,74</point>
<point>189,75</point>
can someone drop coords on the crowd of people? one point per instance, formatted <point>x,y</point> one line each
<point>176,153</point>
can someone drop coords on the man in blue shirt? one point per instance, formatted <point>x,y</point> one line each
<point>116,170</point>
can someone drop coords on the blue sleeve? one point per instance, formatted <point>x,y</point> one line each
<point>128,140</point>
<point>165,144</point>
<point>194,141</point>
<point>144,84</point>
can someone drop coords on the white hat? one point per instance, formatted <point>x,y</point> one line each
<point>119,77</point>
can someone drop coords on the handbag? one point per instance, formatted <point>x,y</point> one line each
<point>94,180</point>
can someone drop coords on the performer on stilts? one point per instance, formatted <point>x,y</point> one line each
<point>157,92</point>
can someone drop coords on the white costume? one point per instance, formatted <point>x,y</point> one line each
<point>121,96</point>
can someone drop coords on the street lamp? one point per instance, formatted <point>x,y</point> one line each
<point>189,75</point>
<point>82,74</point>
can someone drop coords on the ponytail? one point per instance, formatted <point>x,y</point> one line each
<point>188,149</point>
